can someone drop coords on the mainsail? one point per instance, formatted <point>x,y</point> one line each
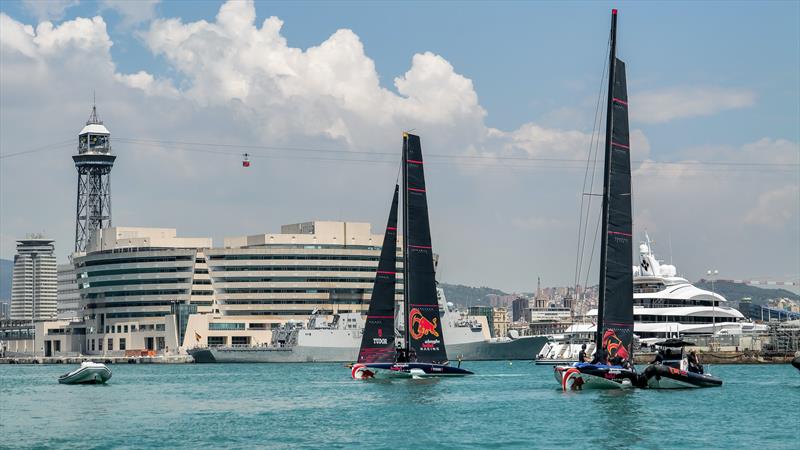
<point>377,343</point>
<point>423,324</point>
<point>615,307</point>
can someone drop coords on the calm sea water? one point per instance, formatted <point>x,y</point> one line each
<point>318,405</point>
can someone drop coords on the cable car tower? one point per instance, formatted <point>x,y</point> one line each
<point>94,162</point>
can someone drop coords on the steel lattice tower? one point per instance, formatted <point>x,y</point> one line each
<point>94,162</point>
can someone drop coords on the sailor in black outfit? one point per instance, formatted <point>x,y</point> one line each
<point>659,358</point>
<point>599,356</point>
<point>582,354</point>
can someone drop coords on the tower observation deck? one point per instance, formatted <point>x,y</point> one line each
<point>94,162</point>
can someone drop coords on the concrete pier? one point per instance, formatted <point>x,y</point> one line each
<point>172,359</point>
<point>728,357</point>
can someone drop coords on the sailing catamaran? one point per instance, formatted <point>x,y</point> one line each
<point>422,351</point>
<point>612,366</point>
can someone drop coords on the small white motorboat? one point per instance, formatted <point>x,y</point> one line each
<point>88,373</point>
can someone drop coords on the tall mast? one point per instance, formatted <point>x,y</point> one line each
<point>612,58</point>
<point>406,300</point>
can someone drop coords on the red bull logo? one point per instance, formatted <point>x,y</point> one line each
<point>420,326</point>
<point>614,346</point>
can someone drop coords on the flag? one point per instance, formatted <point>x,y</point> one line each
<point>197,337</point>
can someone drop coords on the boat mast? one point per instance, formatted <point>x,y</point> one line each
<point>612,58</point>
<point>406,301</point>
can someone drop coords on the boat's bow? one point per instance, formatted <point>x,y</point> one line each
<point>579,376</point>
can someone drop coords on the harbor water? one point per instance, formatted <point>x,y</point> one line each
<point>515,405</point>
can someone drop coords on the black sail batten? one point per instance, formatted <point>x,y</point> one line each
<point>377,343</point>
<point>615,306</point>
<point>423,324</point>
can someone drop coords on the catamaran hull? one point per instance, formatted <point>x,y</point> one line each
<point>368,371</point>
<point>525,348</point>
<point>582,376</point>
<point>796,363</point>
<point>659,376</point>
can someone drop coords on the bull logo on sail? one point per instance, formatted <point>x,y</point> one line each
<point>420,326</point>
<point>614,345</point>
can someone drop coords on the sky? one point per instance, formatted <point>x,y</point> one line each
<point>503,95</point>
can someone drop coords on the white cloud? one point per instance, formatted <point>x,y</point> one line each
<point>147,83</point>
<point>232,81</point>
<point>664,105</point>
<point>132,12</point>
<point>775,208</point>
<point>331,90</point>
<point>49,9</point>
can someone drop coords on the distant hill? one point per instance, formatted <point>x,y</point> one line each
<point>737,291</point>
<point>468,295</point>
<point>6,272</point>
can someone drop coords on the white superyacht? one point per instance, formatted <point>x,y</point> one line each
<point>664,306</point>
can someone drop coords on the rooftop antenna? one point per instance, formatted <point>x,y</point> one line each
<point>93,117</point>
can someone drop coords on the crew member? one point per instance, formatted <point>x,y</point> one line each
<point>694,363</point>
<point>401,355</point>
<point>582,354</point>
<point>659,358</point>
<point>599,356</point>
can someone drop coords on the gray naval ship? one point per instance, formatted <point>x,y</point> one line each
<point>338,340</point>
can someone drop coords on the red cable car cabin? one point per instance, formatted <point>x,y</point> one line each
<point>246,160</point>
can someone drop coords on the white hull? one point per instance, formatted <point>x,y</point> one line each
<point>524,348</point>
<point>87,373</point>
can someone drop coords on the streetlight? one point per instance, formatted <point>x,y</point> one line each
<point>712,274</point>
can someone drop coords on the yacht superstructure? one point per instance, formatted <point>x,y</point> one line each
<point>664,306</point>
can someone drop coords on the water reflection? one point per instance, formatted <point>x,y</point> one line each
<point>619,413</point>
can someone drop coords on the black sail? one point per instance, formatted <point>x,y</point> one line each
<point>423,324</point>
<point>377,343</point>
<point>615,312</point>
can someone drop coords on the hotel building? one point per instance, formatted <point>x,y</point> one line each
<point>33,286</point>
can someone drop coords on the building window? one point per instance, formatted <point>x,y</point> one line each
<point>133,328</point>
<point>92,344</point>
<point>125,329</point>
<point>160,344</point>
<point>122,343</point>
<point>160,327</point>
<point>216,340</point>
<point>107,329</point>
<point>100,345</point>
<point>110,344</point>
<point>119,328</point>
<point>240,340</point>
<point>226,326</point>
<point>57,346</point>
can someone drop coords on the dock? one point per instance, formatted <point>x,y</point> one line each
<point>729,357</point>
<point>171,359</point>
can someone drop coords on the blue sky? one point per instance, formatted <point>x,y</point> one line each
<point>713,82</point>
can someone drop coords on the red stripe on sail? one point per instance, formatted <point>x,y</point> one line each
<point>391,228</point>
<point>416,190</point>
<point>414,161</point>
<point>380,317</point>
<point>620,233</point>
<point>386,272</point>
<point>419,246</point>
<point>617,144</point>
<point>620,101</point>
